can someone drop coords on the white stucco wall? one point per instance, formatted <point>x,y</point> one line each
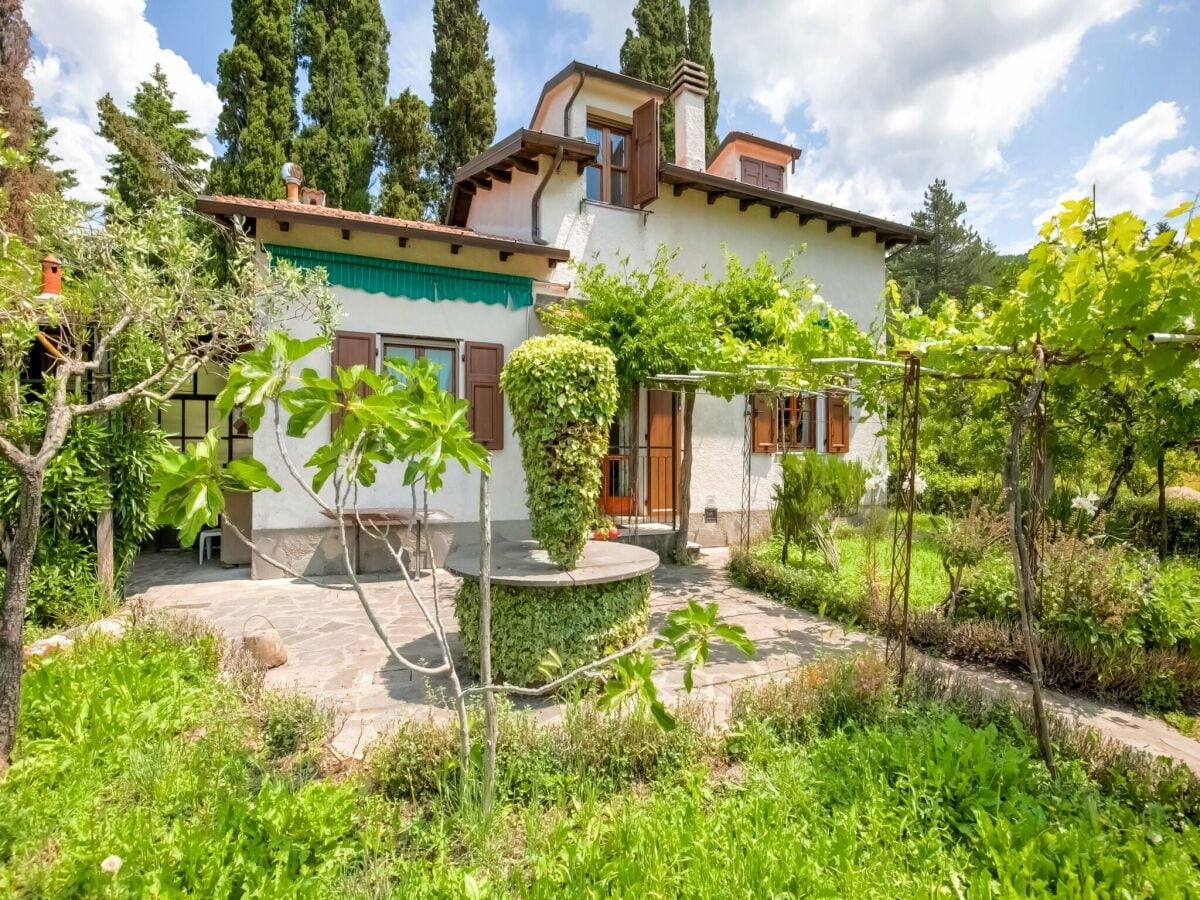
<point>381,314</point>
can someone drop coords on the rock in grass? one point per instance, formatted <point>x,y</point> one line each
<point>266,646</point>
<point>56,643</point>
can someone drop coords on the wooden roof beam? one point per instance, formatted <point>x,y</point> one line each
<point>745,203</point>
<point>528,166</point>
<point>714,196</point>
<point>482,181</point>
<point>501,174</point>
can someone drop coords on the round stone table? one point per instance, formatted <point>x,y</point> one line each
<point>525,564</point>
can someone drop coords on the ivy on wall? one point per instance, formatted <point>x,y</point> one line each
<point>563,395</point>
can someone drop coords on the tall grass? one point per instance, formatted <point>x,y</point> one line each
<point>162,748</point>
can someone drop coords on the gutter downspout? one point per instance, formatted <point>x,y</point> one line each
<point>571,105</point>
<point>535,212</point>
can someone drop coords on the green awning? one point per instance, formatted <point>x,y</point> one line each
<point>415,281</point>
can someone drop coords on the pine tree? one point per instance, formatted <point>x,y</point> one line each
<point>463,83</point>
<point>256,81</point>
<point>651,52</point>
<point>42,158</point>
<point>156,153</point>
<point>955,258</point>
<point>344,46</point>
<point>406,150</point>
<point>18,118</point>
<point>700,51</point>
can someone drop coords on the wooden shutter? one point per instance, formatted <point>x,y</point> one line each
<point>752,171</point>
<point>351,348</point>
<point>762,432</point>
<point>837,422</point>
<point>485,405</point>
<point>772,177</point>
<point>808,411</point>
<point>644,171</point>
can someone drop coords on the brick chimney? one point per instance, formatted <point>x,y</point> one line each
<point>293,177</point>
<point>51,275</point>
<point>689,87</point>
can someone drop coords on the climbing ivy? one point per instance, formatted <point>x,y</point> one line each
<point>563,395</point>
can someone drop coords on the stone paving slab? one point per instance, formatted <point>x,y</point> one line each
<point>334,654</point>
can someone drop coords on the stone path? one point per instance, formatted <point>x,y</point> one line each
<point>334,654</point>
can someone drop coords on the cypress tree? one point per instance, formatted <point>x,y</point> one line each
<point>463,83</point>
<point>700,51</point>
<point>30,173</point>
<point>651,52</point>
<point>343,45</point>
<point>256,81</point>
<point>156,153</point>
<point>406,150</point>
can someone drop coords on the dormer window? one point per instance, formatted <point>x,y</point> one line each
<point>761,174</point>
<point>608,179</point>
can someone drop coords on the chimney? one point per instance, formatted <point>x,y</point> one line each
<point>689,87</point>
<point>293,177</point>
<point>51,276</point>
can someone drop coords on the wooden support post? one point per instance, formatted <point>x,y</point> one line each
<point>105,567</point>
<point>485,641</point>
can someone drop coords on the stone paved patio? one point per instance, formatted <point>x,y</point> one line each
<point>334,655</point>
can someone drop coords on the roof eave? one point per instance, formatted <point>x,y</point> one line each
<point>377,225</point>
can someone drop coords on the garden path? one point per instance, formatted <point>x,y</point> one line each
<point>335,656</point>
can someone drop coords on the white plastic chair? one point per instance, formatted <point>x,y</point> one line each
<point>207,536</point>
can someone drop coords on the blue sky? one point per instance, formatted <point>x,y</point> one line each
<point>1016,103</point>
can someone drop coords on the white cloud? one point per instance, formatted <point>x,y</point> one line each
<point>93,48</point>
<point>1128,168</point>
<point>1150,37</point>
<point>903,93</point>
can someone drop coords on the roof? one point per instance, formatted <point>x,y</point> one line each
<point>793,152</point>
<point>404,229</point>
<point>749,195</point>
<point>578,68</point>
<point>520,150</point>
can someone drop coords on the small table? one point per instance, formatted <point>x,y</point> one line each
<point>385,516</point>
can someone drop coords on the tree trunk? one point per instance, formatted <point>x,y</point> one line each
<point>685,476</point>
<point>485,642</point>
<point>1026,593</point>
<point>1120,472</point>
<point>1162,505</point>
<point>12,612</point>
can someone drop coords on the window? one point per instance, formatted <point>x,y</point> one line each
<point>797,421</point>
<point>762,174</point>
<point>441,353</point>
<point>608,179</point>
<point>189,415</point>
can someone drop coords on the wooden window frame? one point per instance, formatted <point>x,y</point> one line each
<point>797,406</point>
<point>605,164</point>
<point>421,344</point>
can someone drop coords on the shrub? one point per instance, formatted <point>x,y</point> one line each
<point>580,624</point>
<point>989,592</point>
<point>949,492</point>
<point>964,542</point>
<point>563,395</point>
<point>292,723</point>
<point>815,490</point>
<point>818,698</point>
<point>1136,519</point>
<point>819,591</point>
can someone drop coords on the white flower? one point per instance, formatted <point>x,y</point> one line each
<point>1189,324</point>
<point>918,483</point>
<point>877,482</point>
<point>818,300</point>
<point>1087,504</point>
<point>111,864</point>
<point>784,293</point>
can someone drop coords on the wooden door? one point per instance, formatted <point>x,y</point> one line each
<point>662,452</point>
<point>616,472</point>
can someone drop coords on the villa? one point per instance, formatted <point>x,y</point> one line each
<point>587,180</point>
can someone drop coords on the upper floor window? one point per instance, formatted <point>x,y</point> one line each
<point>608,179</point>
<point>762,174</point>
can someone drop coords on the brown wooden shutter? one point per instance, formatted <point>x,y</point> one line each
<point>752,171</point>
<point>772,177</point>
<point>644,172</point>
<point>837,422</point>
<point>763,431</point>
<point>485,405</point>
<point>351,348</point>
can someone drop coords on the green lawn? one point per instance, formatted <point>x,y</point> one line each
<point>146,748</point>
